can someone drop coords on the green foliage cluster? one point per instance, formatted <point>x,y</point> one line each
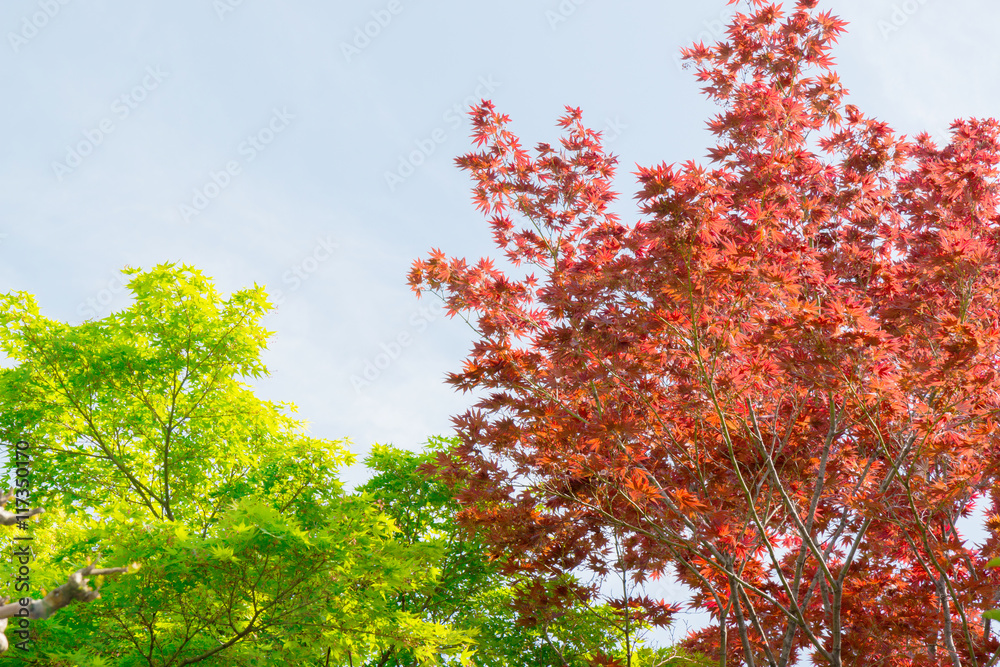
<point>150,450</point>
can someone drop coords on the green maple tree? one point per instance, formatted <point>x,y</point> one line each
<point>149,447</point>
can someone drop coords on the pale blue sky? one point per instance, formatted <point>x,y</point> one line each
<point>308,123</point>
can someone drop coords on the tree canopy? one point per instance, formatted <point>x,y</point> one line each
<point>234,539</point>
<point>778,385</point>
<point>480,592</point>
<point>150,448</point>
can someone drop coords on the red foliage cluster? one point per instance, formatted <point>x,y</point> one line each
<point>780,384</point>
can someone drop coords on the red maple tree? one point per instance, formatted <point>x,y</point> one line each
<point>778,385</point>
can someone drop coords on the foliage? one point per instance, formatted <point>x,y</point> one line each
<point>148,447</point>
<point>476,592</point>
<point>779,384</point>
